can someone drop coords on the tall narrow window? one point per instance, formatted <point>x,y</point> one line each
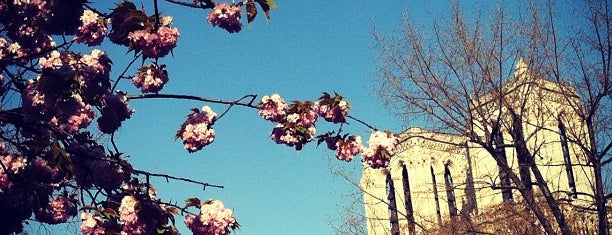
<point>450,192</point>
<point>392,206</point>
<point>435,190</point>
<point>500,153</point>
<point>408,202</point>
<point>566,158</point>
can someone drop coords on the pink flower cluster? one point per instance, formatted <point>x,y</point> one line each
<point>107,175</point>
<point>196,132</point>
<point>59,210</point>
<point>41,171</point>
<point>272,108</point>
<point>91,224</point>
<point>214,219</point>
<point>10,50</point>
<point>92,30</point>
<point>128,214</point>
<point>295,123</point>
<point>332,111</point>
<point>115,111</point>
<point>154,44</point>
<point>382,146</point>
<point>151,79</point>
<point>74,115</point>
<point>66,89</point>
<point>226,17</point>
<point>296,129</point>
<point>13,164</point>
<point>347,149</point>
<point>26,23</point>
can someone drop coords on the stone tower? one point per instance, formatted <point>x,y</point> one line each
<point>436,176</point>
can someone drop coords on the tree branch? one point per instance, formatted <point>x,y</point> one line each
<point>177,178</point>
<point>197,98</point>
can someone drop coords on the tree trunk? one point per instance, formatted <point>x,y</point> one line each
<point>530,201</point>
<point>552,202</point>
<point>526,161</point>
<point>471,205</point>
<point>600,201</point>
<point>500,152</point>
<point>523,155</point>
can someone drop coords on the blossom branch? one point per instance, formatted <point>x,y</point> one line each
<point>204,4</point>
<point>167,177</point>
<point>362,122</point>
<point>237,101</point>
<point>122,75</point>
<point>197,98</point>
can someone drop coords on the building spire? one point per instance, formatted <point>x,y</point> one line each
<point>521,68</point>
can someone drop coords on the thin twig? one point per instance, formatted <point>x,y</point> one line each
<point>197,98</point>
<point>362,122</point>
<point>146,173</point>
<point>205,4</point>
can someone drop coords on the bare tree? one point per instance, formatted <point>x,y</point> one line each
<point>461,78</point>
<point>581,56</point>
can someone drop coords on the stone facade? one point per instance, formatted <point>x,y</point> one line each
<point>436,175</point>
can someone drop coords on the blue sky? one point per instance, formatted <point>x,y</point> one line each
<point>307,48</point>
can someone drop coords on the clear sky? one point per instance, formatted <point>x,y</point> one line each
<point>307,48</point>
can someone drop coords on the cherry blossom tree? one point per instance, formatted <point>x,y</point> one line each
<point>54,166</point>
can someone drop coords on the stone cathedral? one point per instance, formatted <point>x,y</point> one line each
<point>434,176</point>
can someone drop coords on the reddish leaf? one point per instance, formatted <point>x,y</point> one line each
<point>251,11</point>
<point>266,5</point>
<point>194,201</point>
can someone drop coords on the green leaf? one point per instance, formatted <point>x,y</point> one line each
<point>271,3</point>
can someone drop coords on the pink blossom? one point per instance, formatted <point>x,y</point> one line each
<point>73,115</point>
<point>94,78</point>
<point>196,132</point>
<point>346,150</point>
<point>92,30</point>
<point>52,60</point>
<point>308,119</point>
<point>213,218</point>
<point>107,175</point>
<point>332,109</point>
<point>59,210</point>
<point>40,170</point>
<point>382,146</point>
<point>115,111</point>
<point>272,108</point>
<point>91,224</point>
<point>298,126</point>
<point>14,164</point>
<point>156,44</point>
<point>151,79</point>
<point>226,17</point>
<point>128,214</point>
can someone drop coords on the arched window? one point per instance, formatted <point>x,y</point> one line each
<point>392,205</point>
<point>408,202</point>
<point>436,198</point>
<point>450,192</point>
